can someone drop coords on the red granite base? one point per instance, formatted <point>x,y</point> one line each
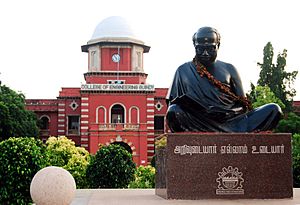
<point>225,166</point>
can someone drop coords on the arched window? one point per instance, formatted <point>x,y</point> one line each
<point>101,114</point>
<point>134,115</point>
<point>117,114</point>
<point>44,123</point>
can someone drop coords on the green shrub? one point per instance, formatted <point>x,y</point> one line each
<point>291,124</point>
<point>161,141</point>
<point>296,159</point>
<point>20,159</point>
<point>62,152</point>
<point>144,178</point>
<point>111,167</point>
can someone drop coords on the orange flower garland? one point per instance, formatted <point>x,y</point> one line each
<point>201,69</point>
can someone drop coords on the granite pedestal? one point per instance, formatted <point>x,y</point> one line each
<point>225,166</point>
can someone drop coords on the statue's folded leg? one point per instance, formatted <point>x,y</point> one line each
<point>263,118</point>
<point>181,119</point>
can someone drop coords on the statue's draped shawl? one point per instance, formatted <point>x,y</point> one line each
<point>189,88</point>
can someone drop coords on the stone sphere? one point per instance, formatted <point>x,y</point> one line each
<point>52,185</point>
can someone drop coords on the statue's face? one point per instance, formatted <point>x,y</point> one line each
<point>206,47</point>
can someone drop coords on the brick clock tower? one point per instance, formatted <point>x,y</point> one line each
<point>115,105</point>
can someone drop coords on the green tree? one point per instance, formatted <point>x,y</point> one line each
<point>276,77</point>
<point>21,158</point>
<point>261,95</point>
<point>111,167</point>
<point>62,152</point>
<point>291,124</point>
<point>15,120</point>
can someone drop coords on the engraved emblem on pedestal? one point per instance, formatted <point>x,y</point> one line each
<point>230,181</point>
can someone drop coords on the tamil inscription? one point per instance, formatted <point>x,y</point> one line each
<point>225,166</point>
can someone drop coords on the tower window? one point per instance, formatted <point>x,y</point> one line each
<point>139,59</point>
<point>93,59</point>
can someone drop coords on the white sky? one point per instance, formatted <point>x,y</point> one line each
<point>40,41</point>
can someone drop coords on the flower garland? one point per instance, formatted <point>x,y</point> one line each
<point>203,72</point>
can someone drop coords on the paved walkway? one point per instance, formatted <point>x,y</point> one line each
<point>148,197</point>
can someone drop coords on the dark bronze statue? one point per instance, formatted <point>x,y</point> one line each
<point>207,94</point>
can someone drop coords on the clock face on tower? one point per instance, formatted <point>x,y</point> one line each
<point>116,57</point>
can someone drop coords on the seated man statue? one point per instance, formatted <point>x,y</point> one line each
<point>207,94</point>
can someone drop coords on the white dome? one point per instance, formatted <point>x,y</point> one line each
<point>114,27</point>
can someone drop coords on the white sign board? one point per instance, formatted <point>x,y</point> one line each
<point>117,87</point>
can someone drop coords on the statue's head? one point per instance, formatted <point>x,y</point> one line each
<point>206,42</point>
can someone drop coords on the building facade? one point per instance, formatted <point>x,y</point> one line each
<point>115,105</point>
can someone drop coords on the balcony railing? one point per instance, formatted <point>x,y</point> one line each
<point>118,127</point>
<point>107,126</point>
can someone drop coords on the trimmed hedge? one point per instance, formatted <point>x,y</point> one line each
<point>21,158</point>
<point>111,167</point>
